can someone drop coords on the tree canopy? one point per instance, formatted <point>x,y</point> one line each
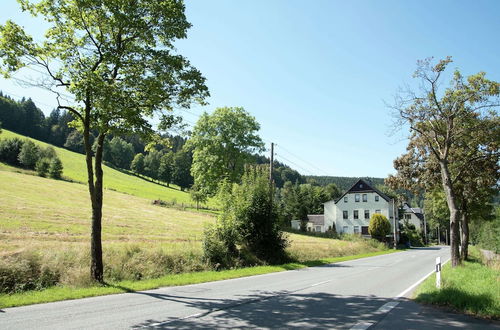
<point>118,62</point>
<point>222,142</point>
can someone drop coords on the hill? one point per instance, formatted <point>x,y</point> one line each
<point>122,181</point>
<point>343,182</point>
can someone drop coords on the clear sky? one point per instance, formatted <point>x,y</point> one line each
<point>316,74</point>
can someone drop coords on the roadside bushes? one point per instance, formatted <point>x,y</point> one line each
<point>247,232</point>
<point>379,227</point>
<point>27,154</point>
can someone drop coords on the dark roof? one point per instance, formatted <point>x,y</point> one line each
<point>316,219</point>
<point>415,210</point>
<point>363,186</point>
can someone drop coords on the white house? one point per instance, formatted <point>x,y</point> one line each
<point>413,215</point>
<point>352,211</point>
<point>315,223</point>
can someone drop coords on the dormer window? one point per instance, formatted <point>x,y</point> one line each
<point>361,185</point>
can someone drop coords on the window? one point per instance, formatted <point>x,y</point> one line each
<point>356,229</point>
<point>345,229</point>
<point>365,198</point>
<point>356,198</point>
<point>356,214</point>
<point>361,185</point>
<point>345,199</point>
<point>345,214</point>
<point>318,228</point>
<point>407,216</point>
<point>378,211</point>
<point>376,198</point>
<point>364,230</point>
<point>367,214</point>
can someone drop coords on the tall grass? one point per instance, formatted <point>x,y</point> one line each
<point>472,288</point>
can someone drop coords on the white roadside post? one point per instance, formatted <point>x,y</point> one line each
<point>438,272</point>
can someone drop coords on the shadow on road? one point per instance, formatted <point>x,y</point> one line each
<point>272,310</point>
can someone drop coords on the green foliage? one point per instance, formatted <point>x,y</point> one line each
<point>181,174</point>
<point>29,154</point>
<point>409,234</point>
<point>197,196</point>
<point>74,142</point>
<point>247,231</point>
<point>473,288</point>
<point>10,149</point>
<point>166,167</point>
<point>137,164</point>
<point>55,168</point>
<point>379,226</point>
<point>42,166</point>
<point>489,234</point>
<point>222,143</point>
<point>119,153</point>
<point>152,164</point>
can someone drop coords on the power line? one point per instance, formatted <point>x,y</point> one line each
<point>291,162</point>
<point>300,159</point>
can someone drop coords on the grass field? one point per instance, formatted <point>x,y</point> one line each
<point>45,231</point>
<point>75,169</point>
<point>471,288</point>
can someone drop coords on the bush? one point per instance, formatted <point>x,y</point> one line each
<point>489,236</point>
<point>379,227</point>
<point>248,232</point>
<point>29,155</point>
<point>42,166</point>
<point>410,234</point>
<point>10,149</point>
<point>55,168</point>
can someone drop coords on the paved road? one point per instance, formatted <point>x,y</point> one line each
<point>354,294</point>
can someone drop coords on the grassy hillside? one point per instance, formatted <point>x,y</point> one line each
<point>75,169</point>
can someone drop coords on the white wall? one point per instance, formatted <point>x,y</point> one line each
<point>334,212</point>
<point>414,220</point>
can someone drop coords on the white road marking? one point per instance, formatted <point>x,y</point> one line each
<point>316,284</point>
<point>361,326</point>
<point>402,294</point>
<point>387,307</point>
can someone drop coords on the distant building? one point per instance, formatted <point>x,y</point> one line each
<point>352,211</point>
<point>413,215</point>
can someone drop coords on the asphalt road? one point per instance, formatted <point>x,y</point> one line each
<point>355,294</point>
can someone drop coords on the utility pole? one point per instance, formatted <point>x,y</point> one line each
<point>395,223</point>
<point>271,190</point>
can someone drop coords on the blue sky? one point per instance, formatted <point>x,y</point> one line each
<point>316,74</point>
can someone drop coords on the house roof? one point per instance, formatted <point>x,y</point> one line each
<point>363,186</point>
<point>415,210</point>
<point>316,219</point>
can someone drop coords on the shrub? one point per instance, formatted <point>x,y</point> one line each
<point>379,227</point>
<point>489,235</point>
<point>10,149</point>
<point>42,166</point>
<point>248,228</point>
<point>55,168</point>
<point>29,155</point>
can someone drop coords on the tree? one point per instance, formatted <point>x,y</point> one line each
<point>450,132</point>
<point>10,149</point>
<point>379,226</point>
<point>117,59</point>
<point>121,153</point>
<point>222,143</point>
<point>42,166</point>
<point>137,164</point>
<point>55,168</point>
<point>166,167</point>
<point>74,142</point>
<point>181,174</point>
<point>197,196</point>
<point>152,164</point>
<point>29,154</point>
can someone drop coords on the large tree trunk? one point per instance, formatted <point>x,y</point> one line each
<point>451,200</point>
<point>465,232</point>
<point>96,267</point>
